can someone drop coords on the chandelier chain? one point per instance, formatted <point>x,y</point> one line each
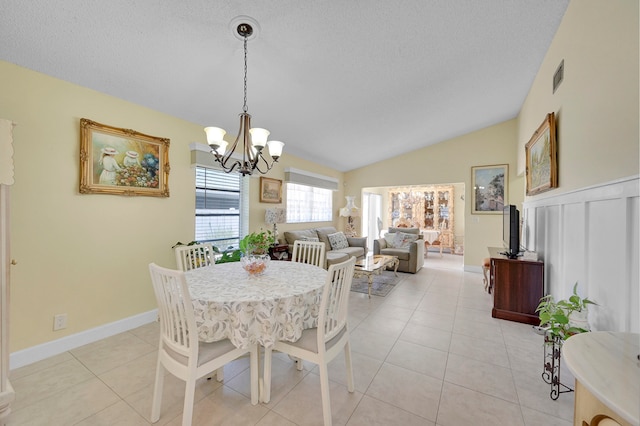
<point>244,108</point>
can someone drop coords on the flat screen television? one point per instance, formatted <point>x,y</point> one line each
<point>511,231</point>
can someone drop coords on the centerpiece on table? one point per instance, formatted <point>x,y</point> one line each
<point>255,252</point>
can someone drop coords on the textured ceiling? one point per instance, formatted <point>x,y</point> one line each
<point>342,83</point>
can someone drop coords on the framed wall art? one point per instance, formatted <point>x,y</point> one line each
<point>270,190</point>
<point>489,186</point>
<point>542,162</point>
<point>122,161</point>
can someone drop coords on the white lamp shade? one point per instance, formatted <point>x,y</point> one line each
<point>222,147</point>
<point>215,135</point>
<point>275,148</point>
<point>259,137</point>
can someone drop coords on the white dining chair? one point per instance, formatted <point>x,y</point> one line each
<point>310,252</point>
<point>322,344</point>
<point>180,353</point>
<point>194,256</point>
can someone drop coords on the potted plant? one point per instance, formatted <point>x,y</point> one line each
<point>564,318</point>
<point>255,251</point>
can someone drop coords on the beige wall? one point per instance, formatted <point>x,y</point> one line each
<point>87,255</point>
<point>597,103</point>
<point>451,161</point>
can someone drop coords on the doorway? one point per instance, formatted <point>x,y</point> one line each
<point>371,217</point>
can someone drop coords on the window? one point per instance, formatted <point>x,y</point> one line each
<point>218,201</point>
<point>308,203</point>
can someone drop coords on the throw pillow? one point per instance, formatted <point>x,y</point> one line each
<point>312,239</point>
<point>390,239</point>
<point>404,240</point>
<point>338,241</point>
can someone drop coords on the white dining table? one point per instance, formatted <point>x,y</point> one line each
<point>277,305</point>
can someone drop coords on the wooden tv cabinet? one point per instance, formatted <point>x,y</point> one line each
<point>517,285</point>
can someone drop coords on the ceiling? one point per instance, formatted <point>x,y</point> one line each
<point>342,83</point>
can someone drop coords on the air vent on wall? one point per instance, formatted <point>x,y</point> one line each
<point>558,76</point>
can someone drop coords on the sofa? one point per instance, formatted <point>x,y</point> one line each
<point>405,243</point>
<point>357,246</point>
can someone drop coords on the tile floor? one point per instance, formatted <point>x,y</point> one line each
<point>428,353</point>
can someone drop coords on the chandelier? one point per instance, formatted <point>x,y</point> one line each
<point>253,140</point>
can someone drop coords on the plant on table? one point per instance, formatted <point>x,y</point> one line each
<point>255,251</point>
<point>563,318</point>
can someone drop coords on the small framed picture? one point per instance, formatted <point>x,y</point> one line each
<point>270,190</point>
<point>489,186</point>
<point>542,159</point>
<point>122,161</point>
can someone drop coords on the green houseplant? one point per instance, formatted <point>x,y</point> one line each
<point>255,251</point>
<point>564,318</point>
<point>256,243</point>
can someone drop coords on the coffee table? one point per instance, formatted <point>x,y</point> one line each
<point>374,265</point>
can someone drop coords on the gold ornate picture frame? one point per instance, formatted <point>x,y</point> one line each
<point>489,188</point>
<point>122,161</point>
<point>270,190</point>
<point>542,158</point>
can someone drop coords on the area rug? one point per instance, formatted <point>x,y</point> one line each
<point>382,284</point>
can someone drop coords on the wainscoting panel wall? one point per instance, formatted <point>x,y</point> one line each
<point>591,236</point>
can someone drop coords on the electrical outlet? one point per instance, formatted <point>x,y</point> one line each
<point>59,322</point>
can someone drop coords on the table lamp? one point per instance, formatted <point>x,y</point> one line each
<point>274,216</point>
<point>350,211</point>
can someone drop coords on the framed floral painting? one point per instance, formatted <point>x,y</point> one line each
<point>122,162</point>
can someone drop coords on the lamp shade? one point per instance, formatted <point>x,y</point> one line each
<point>259,137</point>
<point>350,209</point>
<point>275,215</point>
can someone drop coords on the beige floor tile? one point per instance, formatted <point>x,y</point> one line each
<point>426,336</point>
<point>411,391</point>
<point>67,407</point>
<point>364,370</point>
<point>462,406</point>
<point>371,343</point>
<point>284,377</point>
<point>274,419</point>
<point>482,377</point>
<point>53,380</point>
<point>118,414</point>
<point>536,418</point>
<point>39,366</point>
<point>429,319</point>
<point>372,412</point>
<point>303,405</point>
<point>476,315</point>
<point>383,326</point>
<point>478,330</point>
<point>387,311</point>
<point>533,393</point>
<point>479,349</point>
<point>100,357</point>
<point>421,359</point>
<point>133,376</point>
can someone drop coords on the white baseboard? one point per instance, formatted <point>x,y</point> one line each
<point>473,268</point>
<point>46,350</point>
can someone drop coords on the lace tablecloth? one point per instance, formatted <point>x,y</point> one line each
<point>277,305</point>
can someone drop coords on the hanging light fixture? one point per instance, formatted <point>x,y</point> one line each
<point>253,140</point>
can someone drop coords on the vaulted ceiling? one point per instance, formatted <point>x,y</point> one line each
<point>342,83</point>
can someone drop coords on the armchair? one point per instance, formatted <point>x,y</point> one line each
<point>409,250</point>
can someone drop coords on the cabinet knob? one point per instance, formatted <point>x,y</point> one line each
<point>13,262</point>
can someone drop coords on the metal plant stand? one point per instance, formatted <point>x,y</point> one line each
<point>551,371</point>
